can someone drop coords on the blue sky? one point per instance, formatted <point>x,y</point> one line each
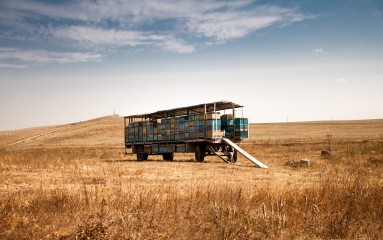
<point>68,61</point>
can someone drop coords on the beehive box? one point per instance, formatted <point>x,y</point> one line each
<point>213,115</point>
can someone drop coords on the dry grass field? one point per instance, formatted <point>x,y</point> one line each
<point>74,182</point>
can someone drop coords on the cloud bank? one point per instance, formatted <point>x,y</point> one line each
<point>85,30</point>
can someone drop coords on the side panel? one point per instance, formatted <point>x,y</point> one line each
<point>167,148</point>
<point>190,147</point>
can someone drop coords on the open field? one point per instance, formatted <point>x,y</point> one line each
<point>74,182</point>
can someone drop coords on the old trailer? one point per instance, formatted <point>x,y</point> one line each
<point>204,129</point>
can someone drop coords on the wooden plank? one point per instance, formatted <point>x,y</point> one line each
<point>245,154</point>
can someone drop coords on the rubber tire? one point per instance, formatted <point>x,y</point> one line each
<point>235,156</point>
<point>141,156</point>
<point>168,156</point>
<point>199,153</point>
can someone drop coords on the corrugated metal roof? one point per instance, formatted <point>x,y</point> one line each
<point>200,108</point>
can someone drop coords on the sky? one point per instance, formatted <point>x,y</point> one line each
<point>297,60</point>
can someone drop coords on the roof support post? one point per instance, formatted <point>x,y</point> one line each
<point>205,120</point>
<point>215,123</point>
<point>233,122</point>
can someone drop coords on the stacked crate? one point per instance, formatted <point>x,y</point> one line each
<point>177,135</point>
<point>182,127</point>
<point>227,125</point>
<point>140,132</point>
<point>130,133</point>
<point>172,129</point>
<point>202,126</point>
<point>213,125</point>
<point>161,130</point>
<point>191,127</point>
<point>241,127</point>
<point>176,129</point>
<point>187,128</point>
<point>136,138</point>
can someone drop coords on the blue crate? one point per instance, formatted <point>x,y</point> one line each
<point>181,147</point>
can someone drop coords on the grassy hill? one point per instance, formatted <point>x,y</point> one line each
<point>103,131</point>
<point>108,131</point>
<point>73,181</point>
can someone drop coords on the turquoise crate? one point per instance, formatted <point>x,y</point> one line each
<point>244,121</point>
<point>241,127</point>
<point>214,122</point>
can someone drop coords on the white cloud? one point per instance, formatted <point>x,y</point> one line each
<point>318,50</point>
<point>43,56</point>
<point>222,20</point>
<point>98,37</point>
<point>7,65</point>
<point>107,25</point>
<point>226,25</point>
<point>122,11</point>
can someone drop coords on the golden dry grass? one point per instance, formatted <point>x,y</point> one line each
<point>104,131</point>
<point>78,184</point>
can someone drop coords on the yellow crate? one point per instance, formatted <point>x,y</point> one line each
<point>213,115</point>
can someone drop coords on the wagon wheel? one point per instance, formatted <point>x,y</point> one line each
<point>141,156</point>
<point>199,153</point>
<point>233,155</point>
<point>168,156</point>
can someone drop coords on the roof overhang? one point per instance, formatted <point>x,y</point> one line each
<point>195,109</point>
